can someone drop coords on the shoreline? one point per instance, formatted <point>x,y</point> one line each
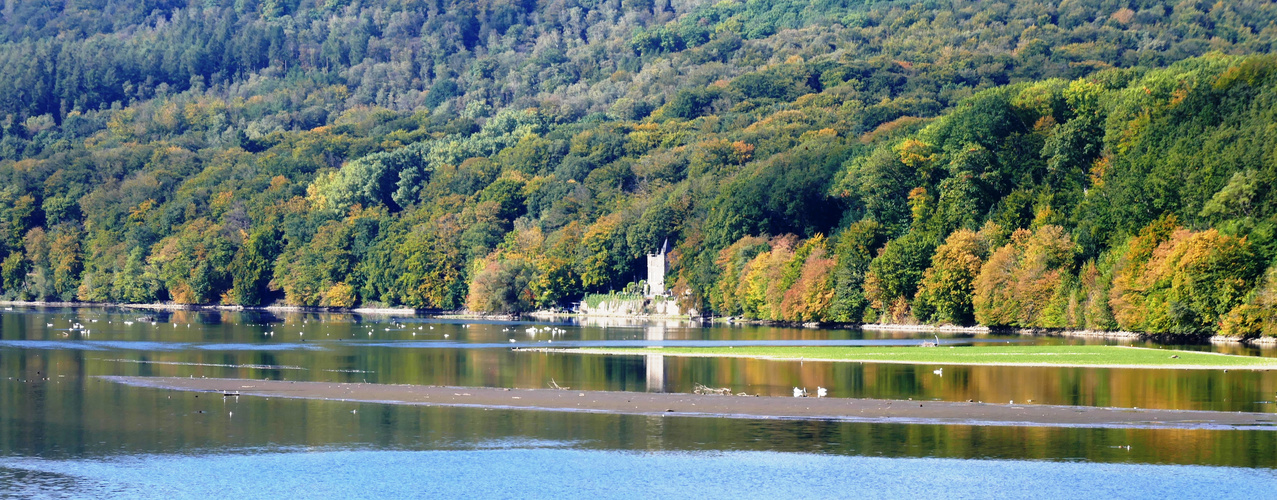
<point>1024,332</point>
<point>658,352</point>
<point>390,311</point>
<point>652,317</point>
<point>1262,342</point>
<point>698,405</point>
<point>956,330</point>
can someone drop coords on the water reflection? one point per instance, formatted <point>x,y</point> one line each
<point>51,405</point>
<point>556,472</point>
<point>654,364</point>
<point>351,348</point>
<point>99,418</point>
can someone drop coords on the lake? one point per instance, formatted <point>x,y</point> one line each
<point>65,432</point>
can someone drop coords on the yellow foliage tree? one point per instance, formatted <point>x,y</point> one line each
<point>1187,283</point>
<point>944,295</point>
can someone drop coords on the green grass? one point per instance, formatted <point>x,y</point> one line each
<point>594,300</point>
<point>1046,355</point>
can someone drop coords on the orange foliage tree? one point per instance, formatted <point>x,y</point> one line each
<point>811,293</point>
<point>1022,281</point>
<point>944,296</point>
<point>1182,282</point>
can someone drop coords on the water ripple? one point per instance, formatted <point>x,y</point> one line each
<point>524,473</point>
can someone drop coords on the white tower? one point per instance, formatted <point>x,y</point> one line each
<point>656,271</point>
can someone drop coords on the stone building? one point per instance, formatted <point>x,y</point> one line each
<point>656,264</point>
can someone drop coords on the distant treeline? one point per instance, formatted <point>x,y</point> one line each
<point>1079,164</point>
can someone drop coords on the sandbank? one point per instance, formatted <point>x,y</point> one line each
<point>747,407</point>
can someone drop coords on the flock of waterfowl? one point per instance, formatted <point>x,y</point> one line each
<point>84,330</point>
<point>370,329</point>
<point>802,392</point>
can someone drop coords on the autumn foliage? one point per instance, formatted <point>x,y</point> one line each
<point>1085,165</point>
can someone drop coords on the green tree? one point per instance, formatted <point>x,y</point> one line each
<point>503,286</point>
<point>856,247</point>
<point>253,267</point>
<point>947,287</point>
<point>13,272</point>
<point>134,283</point>
<point>895,273</point>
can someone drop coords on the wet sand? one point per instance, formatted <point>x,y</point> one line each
<point>750,407</point>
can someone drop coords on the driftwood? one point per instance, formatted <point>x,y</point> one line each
<point>721,391</point>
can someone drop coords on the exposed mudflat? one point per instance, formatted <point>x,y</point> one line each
<point>640,403</point>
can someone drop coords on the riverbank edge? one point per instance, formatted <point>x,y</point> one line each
<point>550,315</point>
<point>1162,338</point>
<point>389,311</point>
<point>393,311</point>
<point>1263,342</point>
<point>604,351</point>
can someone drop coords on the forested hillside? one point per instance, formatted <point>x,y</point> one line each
<point>1085,164</point>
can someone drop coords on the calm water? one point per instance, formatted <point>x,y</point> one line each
<point>65,432</point>
<point>571,473</point>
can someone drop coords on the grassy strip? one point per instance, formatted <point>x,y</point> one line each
<point>1012,355</point>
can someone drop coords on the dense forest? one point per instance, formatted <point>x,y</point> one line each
<point>1098,164</point>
